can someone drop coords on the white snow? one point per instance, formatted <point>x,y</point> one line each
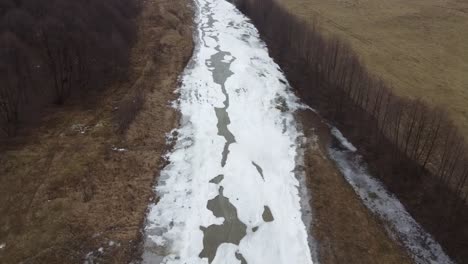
<point>119,149</point>
<point>263,134</point>
<point>422,247</point>
<point>2,245</point>
<point>336,133</point>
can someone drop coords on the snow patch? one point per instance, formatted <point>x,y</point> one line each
<point>421,245</point>
<point>119,149</point>
<point>338,135</point>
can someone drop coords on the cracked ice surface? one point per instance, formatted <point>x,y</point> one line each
<point>213,201</point>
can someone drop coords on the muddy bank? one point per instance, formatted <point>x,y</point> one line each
<point>77,190</point>
<point>345,230</point>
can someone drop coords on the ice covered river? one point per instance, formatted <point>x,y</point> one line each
<point>230,193</point>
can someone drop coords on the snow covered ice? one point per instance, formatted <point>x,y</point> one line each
<point>229,193</point>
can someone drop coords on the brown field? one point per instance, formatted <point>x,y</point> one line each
<point>419,47</point>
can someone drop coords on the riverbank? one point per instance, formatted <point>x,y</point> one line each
<point>78,189</point>
<point>345,230</point>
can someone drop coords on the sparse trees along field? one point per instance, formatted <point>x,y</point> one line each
<point>417,46</point>
<point>413,147</point>
<point>51,50</point>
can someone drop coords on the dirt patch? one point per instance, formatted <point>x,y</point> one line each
<point>77,189</point>
<point>345,230</point>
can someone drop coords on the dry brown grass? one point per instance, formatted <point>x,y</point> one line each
<point>66,190</point>
<point>420,47</point>
<point>344,228</point>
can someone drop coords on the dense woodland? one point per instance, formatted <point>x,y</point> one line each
<point>413,147</point>
<point>51,50</point>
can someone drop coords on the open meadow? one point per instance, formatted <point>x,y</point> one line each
<point>419,47</point>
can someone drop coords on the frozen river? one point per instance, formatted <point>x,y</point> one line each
<point>230,193</point>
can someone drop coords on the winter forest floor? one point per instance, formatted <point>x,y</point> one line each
<point>76,190</point>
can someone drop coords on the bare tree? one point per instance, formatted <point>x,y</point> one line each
<point>15,73</point>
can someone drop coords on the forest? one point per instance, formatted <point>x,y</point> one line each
<point>56,49</point>
<point>414,148</point>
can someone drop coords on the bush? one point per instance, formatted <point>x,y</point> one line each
<point>128,110</point>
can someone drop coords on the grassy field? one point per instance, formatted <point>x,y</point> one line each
<point>419,47</point>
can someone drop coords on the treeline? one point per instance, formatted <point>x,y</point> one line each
<point>413,147</point>
<point>51,50</point>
